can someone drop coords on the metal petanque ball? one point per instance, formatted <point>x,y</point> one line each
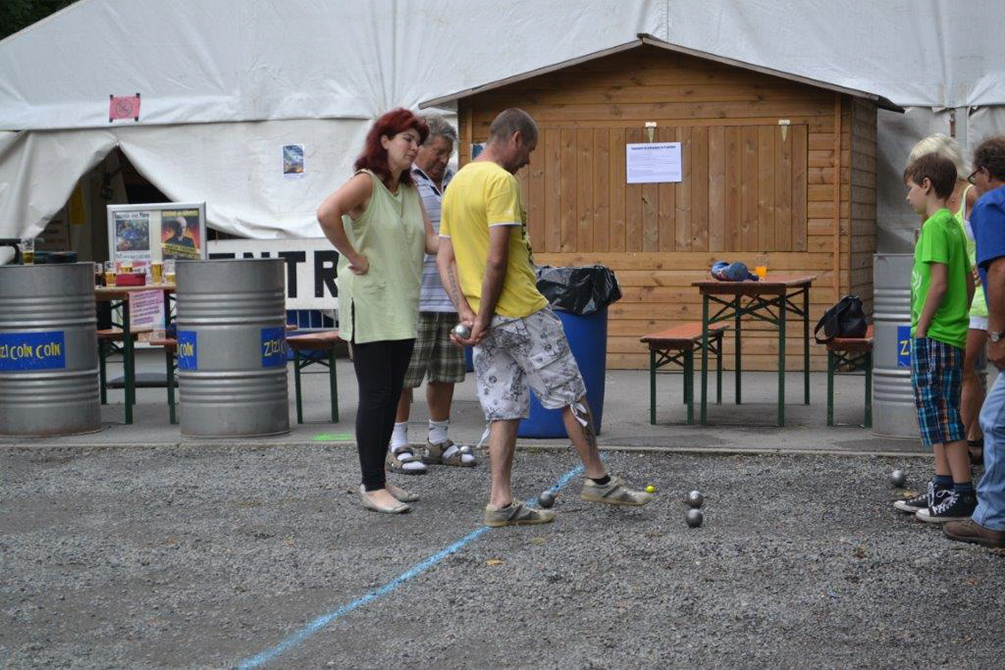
<point>466,449</point>
<point>546,499</point>
<point>694,518</point>
<point>898,478</point>
<point>695,500</point>
<point>462,332</point>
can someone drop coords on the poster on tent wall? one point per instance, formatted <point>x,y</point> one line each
<point>153,233</point>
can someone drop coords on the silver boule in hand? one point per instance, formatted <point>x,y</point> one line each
<point>462,332</point>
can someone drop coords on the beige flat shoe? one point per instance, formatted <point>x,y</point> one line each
<point>400,508</point>
<point>401,494</point>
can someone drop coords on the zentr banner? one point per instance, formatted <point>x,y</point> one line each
<point>310,267</point>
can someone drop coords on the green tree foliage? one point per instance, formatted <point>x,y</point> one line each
<point>18,14</point>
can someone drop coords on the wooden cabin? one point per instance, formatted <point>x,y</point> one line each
<point>772,163</point>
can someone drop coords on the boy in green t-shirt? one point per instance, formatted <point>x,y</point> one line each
<point>942,288</point>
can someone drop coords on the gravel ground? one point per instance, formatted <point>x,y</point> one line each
<point>204,557</point>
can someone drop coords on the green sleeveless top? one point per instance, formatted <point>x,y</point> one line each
<point>979,307</point>
<point>383,304</point>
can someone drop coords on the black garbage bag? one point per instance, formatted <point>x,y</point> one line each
<point>582,290</point>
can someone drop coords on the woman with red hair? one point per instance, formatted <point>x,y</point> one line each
<point>378,225</point>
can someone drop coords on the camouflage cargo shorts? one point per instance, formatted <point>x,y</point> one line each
<point>519,354</point>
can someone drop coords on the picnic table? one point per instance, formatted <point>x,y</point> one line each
<point>118,296</point>
<point>769,300</point>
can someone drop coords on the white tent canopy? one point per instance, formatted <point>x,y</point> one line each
<point>225,83</point>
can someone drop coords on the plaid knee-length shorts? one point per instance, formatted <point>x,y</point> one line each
<point>937,379</point>
<point>434,356</point>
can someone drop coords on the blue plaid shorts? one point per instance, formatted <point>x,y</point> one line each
<point>937,379</point>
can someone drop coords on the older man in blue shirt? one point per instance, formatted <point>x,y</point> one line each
<point>987,526</point>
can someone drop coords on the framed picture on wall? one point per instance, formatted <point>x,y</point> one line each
<point>155,232</point>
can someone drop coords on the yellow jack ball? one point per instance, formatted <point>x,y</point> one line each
<point>650,489</point>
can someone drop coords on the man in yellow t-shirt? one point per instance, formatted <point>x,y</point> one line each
<point>485,265</point>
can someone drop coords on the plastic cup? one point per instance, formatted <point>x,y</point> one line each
<point>109,273</point>
<point>28,251</point>
<point>157,272</point>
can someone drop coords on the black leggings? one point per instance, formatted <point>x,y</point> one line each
<point>380,372</point>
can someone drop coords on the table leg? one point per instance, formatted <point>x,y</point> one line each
<point>738,365</point>
<point>781,360</point>
<point>868,389</point>
<point>167,310</point>
<point>652,387</point>
<point>296,384</point>
<point>169,366</point>
<point>129,365</point>
<point>830,388</point>
<point>688,379</point>
<point>704,357</point>
<point>689,384</point>
<point>806,346</point>
<point>102,372</point>
<point>718,370</point>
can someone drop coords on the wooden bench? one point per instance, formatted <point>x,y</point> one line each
<point>677,345</point>
<point>854,355</point>
<point>305,347</point>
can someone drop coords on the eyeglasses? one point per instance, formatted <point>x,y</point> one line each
<point>972,178</point>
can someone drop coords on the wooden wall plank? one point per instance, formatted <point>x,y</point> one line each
<point>667,199</point>
<point>716,189</point>
<point>682,192</point>
<point>617,189</point>
<point>536,221</point>
<point>732,208</point>
<point>601,186</point>
<point>584,190</point>
<point>568,185</point>
<point>766,189</point>
<point>633,200</point>
<point>748,189</point>
<point>699,189</point>
<point>799,187</point>
<point>783,190</point>
<point>553,189</point>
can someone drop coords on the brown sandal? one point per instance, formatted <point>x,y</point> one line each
<point>403,460</point>
<point>436,454</point>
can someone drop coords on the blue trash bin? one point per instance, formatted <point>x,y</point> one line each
<point>587,336</point>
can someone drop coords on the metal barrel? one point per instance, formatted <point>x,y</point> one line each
<point>232,347</point>
<point>48,350</point>
<point>893,409</point>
